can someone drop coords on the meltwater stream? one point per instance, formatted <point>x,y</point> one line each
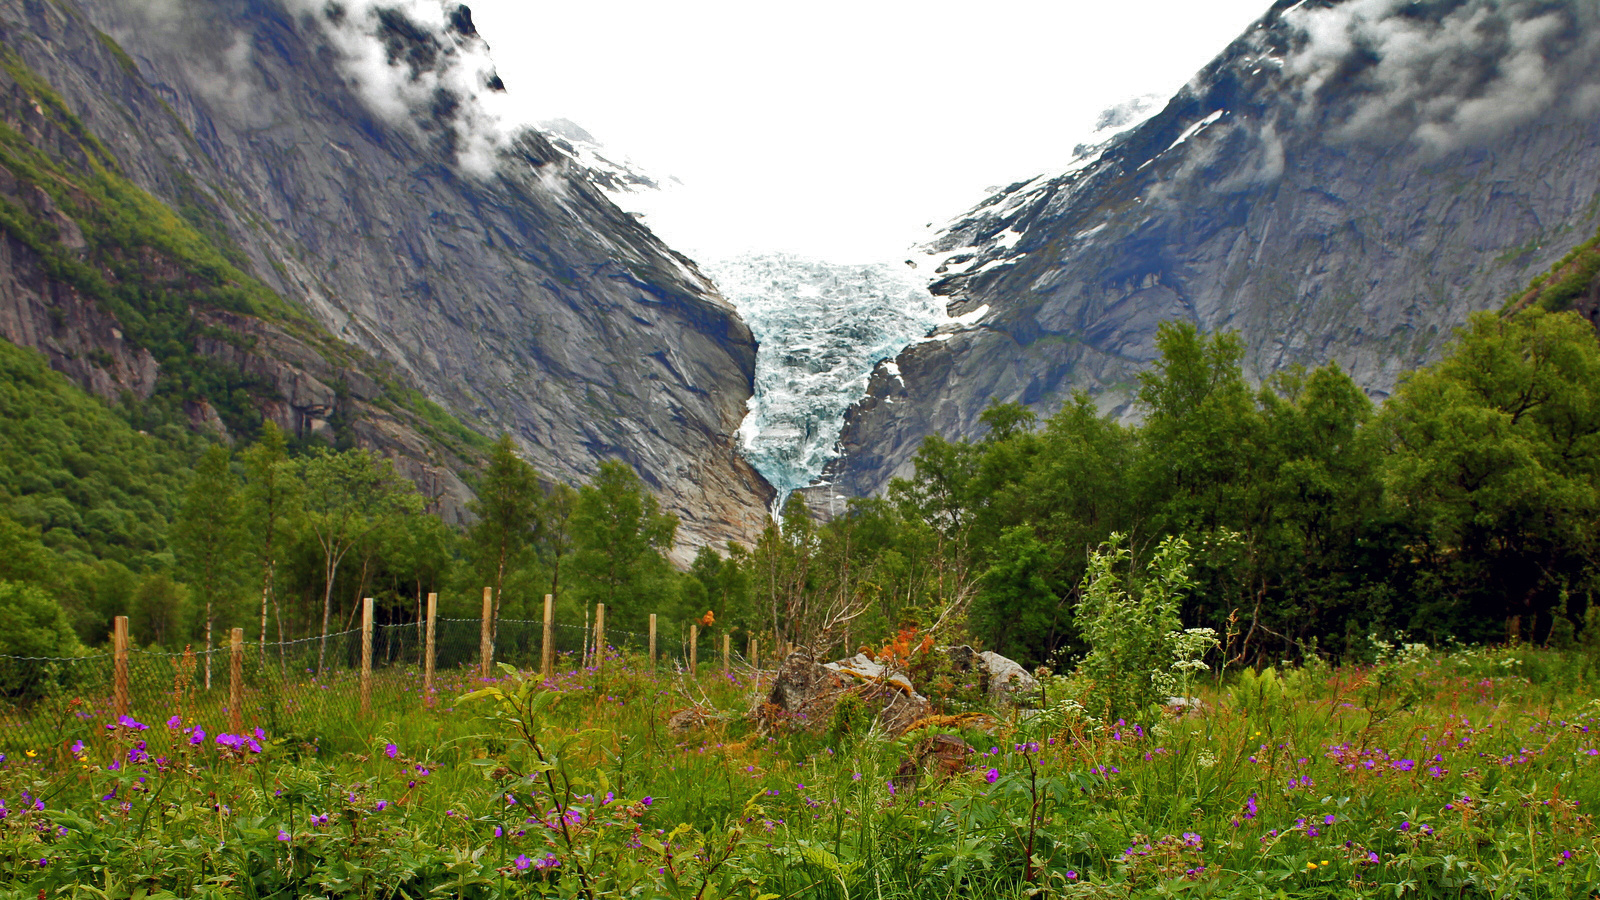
<point>823,328</point>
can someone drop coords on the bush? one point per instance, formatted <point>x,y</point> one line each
<point>32,626</point>
<point>1132,629</point>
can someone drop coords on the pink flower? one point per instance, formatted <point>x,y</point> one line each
<point>992,776</point>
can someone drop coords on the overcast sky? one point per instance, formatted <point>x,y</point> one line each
<point>839,128</point>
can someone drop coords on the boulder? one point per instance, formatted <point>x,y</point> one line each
<point>864,669</point>
<point>804,693</point>
<point>1008,681</point>
<point>1005,681</point>
<point>939,755</point>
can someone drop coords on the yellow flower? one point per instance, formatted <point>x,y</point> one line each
<point>32,754</point>
<point>1312,865</point>
<point>1324,862</point>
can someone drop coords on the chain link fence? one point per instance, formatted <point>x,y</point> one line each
<point>310,689</point>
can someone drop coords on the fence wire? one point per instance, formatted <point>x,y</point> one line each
<point>305,690</point>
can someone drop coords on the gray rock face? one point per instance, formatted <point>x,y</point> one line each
<point>1334,187</point>
<point>493,276</point>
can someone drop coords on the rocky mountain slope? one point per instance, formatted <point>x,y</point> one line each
<point>1342,183</point>
<point>349,157</point>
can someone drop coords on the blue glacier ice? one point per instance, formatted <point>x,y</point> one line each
<point>823,327</point>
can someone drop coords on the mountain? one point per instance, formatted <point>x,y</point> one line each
<point>1340,184</point>
<point>405,252</point>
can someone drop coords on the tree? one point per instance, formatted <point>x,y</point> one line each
<point>349,495</point>
<point>1494,460</point>
<point>555,537</point>
<point>270,502</point>
<point>1199,448</point>
<point>507,507</point>
<point>206,537</point>
<point>619,538</point>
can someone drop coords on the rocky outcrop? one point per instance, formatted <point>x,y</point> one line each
<point>1322,189</point>
<point>78,337</point>
<point>485,271</point>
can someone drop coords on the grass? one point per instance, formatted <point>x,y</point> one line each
<point>1469,774</point>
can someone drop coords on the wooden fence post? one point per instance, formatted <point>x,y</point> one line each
<point>236,682</point>
<point>366,656</point>
<point>119,666</point>
<point>599,640</point>
<point>694,649</point>
<point>652,643</point>
<point>428,658</point>
<point>486,635</point>
<point>726,640</point>
<point>547,649</point>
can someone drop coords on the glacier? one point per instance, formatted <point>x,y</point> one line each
<point>822,329</point>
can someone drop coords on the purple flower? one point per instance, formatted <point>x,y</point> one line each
<point>283,835</point>
<point>130,723</point>
<point>197,737</point>
<point>992,776</point>
<point>260,735</point>
<point>174,723</point>
<point>498,832</point>
<point>522,862</point>
<point>1072,875</point>
<point>1328,819</point>
<point>381,806</point>
<point>549,862</point>
<point>1405,826</point>
<point>391,751</point>
<point>648,800</point>
<point>77,747</point>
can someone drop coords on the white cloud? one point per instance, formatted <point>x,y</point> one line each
<point>1446,80</point>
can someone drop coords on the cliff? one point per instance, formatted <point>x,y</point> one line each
<point>341,157</point>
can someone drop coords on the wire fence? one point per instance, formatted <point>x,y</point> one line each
<point>311,689</point>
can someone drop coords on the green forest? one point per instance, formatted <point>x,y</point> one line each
<point>1463,509</point>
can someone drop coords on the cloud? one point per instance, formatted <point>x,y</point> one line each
<point>1445,74</point>
<point>421,65</point>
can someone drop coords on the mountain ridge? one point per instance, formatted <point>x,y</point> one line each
<point>521,297</point>
<point>1261,199</point>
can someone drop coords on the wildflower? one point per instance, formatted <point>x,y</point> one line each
<point>283,835</point>
<point>77,748</point>
<point>855,776</point>
<point>647,801</point>
<point>1405,826</point>
<point>391,751</point>
<point>381,806</point>
<point>130,723</point>
<point>522,862</point>
<point>548,862</point>
<point>992,776</point>
<point>1190,839</point>
<point>498,832</point>
<point>1072,875</point>
<point>891,788</point>
<point>1328,819</point>
<point>174,723</point>
<point>260,735</point>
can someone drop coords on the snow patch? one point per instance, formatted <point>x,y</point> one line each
<point>1195,129</point>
